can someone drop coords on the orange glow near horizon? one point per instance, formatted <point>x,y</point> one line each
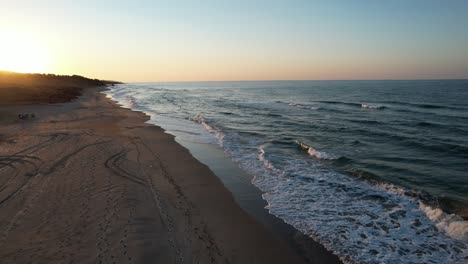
<point>23,52</point>
<point>154,42</point>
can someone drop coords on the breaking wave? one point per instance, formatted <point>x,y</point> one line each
<point>452,224</point>
<point>315,153</point>
<point>218,134</point>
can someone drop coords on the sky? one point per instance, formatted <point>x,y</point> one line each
<point>237,40</point>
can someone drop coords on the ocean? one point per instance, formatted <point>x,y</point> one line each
<point>376,171</point>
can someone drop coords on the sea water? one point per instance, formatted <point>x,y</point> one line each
<point>376,171</point>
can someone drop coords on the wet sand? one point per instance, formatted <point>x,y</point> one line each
<point>89,182</point>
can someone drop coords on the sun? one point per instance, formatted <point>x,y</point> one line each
<point>22,52</point>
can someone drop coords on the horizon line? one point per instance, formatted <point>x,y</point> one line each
<point>299,80</point>
<point>256,80</point>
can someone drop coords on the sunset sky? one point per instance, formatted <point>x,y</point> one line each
<point>236,40</point>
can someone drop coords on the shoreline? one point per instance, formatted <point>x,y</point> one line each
<point>250,199</point>
<point>89,181</point>
<point>349,214</point>
<point>239,183</point>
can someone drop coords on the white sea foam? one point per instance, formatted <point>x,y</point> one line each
<point>358,221</point>
<point>315,153</point>
<point>266,162</point>
<point>302,106</point>
<point>388,187</point>
<point>452,224</point>
<point>372,106</point>
<point>218,134</point>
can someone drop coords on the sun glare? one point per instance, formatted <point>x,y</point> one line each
<point>22,52</point>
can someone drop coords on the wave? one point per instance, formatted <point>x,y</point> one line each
<point>299,105</point>
<point>122,98</point>
<point>372,106</point>
<point>218,134</point>
<point>132,101</point>
<point>451,224</point>
<point>340,103</point>
<point>302,106</point>
<point>359,221</point>
<point>428,124</point>
<point>427,106</point>
<point>441,126</point>
<point>442,147</point>
<point>364,175</point>
<point>373,229</point>
<point>315,153</point>
<point>360,105</point>
<point>413,139</point>
<point>266,162</point>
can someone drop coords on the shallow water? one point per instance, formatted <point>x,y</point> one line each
<point>374,170</point>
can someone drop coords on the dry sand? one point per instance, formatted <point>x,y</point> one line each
<point>90,182</point>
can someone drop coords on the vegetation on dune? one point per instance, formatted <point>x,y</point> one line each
<point>43,88</point>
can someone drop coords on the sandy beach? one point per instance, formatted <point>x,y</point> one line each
<point>89,182</point>
<point>260,132</point>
